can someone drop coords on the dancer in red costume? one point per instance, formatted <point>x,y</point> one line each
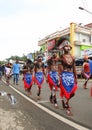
<point>86,71</point>
<point>39,74</point>
<point>67,74</point>
<point>28,76</point>
<point>53,76</point>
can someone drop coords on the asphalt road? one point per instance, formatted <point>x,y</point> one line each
<point>29,115</point>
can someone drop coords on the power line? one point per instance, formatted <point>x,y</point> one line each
<point>83,4</point>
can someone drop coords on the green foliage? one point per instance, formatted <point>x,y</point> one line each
<point>23,58</point>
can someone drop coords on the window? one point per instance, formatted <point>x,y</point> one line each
<point>84,40</point>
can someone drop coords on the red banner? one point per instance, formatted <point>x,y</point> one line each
<point>51,44</point>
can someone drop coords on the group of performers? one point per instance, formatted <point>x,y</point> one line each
<point>60,74</point>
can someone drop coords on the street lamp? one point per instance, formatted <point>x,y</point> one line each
<point>81,8</point>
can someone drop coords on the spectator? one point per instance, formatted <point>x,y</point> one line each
<point>7,73</point>
<point>1,71</point>
<point>16,72</point>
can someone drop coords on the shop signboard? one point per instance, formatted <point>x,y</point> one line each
<point>87,52</point>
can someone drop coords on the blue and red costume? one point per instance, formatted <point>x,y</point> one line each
<point>68,85</point>
<point>39,78</point>
<point>28,80</point>
<point>53,79</point>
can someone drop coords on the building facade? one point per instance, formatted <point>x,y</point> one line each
<point>80,38</point>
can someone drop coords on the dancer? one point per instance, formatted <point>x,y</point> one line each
<point>28,76</point>
<point>68,74</point>
<point>86,71</point>
<point>39,74</point>
<point>53,76</point>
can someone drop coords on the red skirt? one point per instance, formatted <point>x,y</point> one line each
<point>28,80</point>
<point>67,85</point>
<point>52,83</point>
<point>39,79</point>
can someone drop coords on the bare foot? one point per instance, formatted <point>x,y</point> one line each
<point>56,106</point>
<point>84,86</point>
<point>38,97</point>
<point>68,112</point>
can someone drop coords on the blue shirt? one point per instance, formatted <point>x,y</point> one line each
<point>16,68</point>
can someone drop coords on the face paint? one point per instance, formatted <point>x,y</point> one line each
<point>39,59</point>
<point>67,48</point>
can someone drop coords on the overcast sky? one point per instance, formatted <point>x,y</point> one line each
<point>24,22</point>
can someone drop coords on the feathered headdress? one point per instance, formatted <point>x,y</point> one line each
<point>63,41</point>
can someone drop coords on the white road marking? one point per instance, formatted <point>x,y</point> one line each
<point>66,121</point>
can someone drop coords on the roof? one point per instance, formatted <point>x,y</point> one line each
<point>89,25</point>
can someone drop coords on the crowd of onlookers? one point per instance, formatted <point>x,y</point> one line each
<point>9,69</point>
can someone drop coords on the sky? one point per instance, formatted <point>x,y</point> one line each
<point>24,22</point>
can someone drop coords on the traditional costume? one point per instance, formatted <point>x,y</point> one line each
<point>39,74</point>
<point>86,71</point>
<point>28,77</point>
<point>39,78</point>
<point>68,86</point>
<point>68,82</point>
<point>28,80</point>
<point>53,77</point>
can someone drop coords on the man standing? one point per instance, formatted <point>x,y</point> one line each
<point>68,74</point>
<point>53,78</point>
<point>39,74</point>
<point>28,76</point>
<point>16,72</point>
